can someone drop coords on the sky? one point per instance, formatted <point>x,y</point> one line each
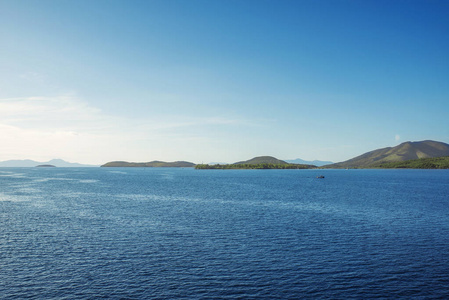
<point>220,81</point>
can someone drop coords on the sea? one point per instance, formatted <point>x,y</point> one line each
<point>181,233</point>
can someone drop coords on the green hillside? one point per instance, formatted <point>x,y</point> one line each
<point>422,163</point>
<point>403,152</point>
<point>152,164</point>
<point>262,160</point>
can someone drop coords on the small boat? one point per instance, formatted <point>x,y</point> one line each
<point>321,177</point>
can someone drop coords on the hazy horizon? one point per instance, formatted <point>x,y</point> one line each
<point>26,162</point>
<point>200,81</point>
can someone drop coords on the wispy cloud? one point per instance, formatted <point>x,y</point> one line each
<point>68,111</point>
<point>45,110</point>
<point>33,77</point>
<point>397,137</point>
<point>66,126</point>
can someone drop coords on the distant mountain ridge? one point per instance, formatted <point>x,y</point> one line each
<point>317,163</point>
<point>151,164</point>
<point>403,152</point>
<point>28,163</point>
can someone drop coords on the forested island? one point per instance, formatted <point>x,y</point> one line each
<point>254,166</point>
<point>261,162</point>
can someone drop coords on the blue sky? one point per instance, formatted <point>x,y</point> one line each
<point>95,81</point>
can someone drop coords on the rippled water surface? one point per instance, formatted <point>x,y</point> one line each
<point>184,233</point>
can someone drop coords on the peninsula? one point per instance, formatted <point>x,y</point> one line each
<point>422,155</point>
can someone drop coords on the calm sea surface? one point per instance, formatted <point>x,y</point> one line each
<point>127,233</point>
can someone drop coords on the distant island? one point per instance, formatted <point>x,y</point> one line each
<point>151,164</point>
<point>45,166</point>
<point>261,162</point>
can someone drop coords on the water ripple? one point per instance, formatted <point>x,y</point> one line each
<point>188,234</point>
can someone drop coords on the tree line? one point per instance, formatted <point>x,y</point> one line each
<point>253,166</point>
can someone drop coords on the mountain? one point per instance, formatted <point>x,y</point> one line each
<point>28,163</point>
<point>403,152</point>
<point>64,164</point>
<point>262,160</point>
<point>151,164</point>
<point>317,163</point>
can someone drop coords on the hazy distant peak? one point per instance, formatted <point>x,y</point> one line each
<point>317,163</point>
<point>28,163</point>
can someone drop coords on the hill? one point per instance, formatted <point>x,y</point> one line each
<point>403,152</point>
<point>260,162</point>
<point>422,163</point>
<point>28,163</point>
<point>151,164</point>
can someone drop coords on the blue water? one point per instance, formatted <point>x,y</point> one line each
<point>123,233</point>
